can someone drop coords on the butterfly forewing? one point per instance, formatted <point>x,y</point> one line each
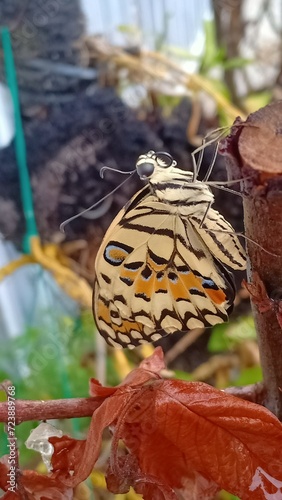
<point>160,268</point>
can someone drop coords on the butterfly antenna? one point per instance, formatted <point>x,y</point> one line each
<point>67,221</point>
<point>103,169</point>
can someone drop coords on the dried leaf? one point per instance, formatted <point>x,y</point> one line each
<point>182,438</point>
<point>31,485</point>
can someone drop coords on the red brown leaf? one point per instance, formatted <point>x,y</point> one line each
<point>181,426</point>
<point>31,485</point>
<point>183,438</point>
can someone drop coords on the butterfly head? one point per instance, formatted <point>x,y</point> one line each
<point>147,164</point>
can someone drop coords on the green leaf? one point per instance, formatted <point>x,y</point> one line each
<point>236,62</point>
<point>181,375</point>
<point>250,375</point>
<point>212,53</point>
<point>224,495</point>
<point>227,335</point>
<point>257,100</point>
<point>219,341</point>
<point>128,29</point>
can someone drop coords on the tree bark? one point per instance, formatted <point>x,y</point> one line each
<point>229,32</point>
<point>254,148</point>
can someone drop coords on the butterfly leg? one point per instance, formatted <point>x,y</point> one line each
<point>197,165</point>
<point>209,171</point>
<point>206,142</point>
<point>205,214</point>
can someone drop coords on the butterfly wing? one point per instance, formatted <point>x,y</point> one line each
<point>155,275</point>
<point>220,238</point>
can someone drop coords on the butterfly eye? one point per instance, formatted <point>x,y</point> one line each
<point>164,160</point>
<point>145,169</point>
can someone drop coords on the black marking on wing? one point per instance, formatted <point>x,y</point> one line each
<point>148,229</point>
<point>218,243</point>
<point>196,291</point>
<point>105,301</point>
<point>126,280</point>
<point>156,258</point>
<point>164,314</point>
<point>163,186</point>
<point>160,275</point>
<point>172,277</point>
<point>114,314</point>
<point>131,204</point>
<point>141,313</point>
<point>133,266</point>
<point>184,270</point>
<point>106,278</point>
<point>229,289</point>
<point>120,298</point>
<point>146,273</point>
<point>209,284</point>
<point>143,296</point>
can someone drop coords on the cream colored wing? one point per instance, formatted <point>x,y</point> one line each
<point>155,275</point>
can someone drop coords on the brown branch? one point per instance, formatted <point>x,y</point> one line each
<point>27,410</point>
<point>51,409</point>
<point>255,393</point>
<point>255,148</point>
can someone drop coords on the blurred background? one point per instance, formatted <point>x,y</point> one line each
<point>89,83</point>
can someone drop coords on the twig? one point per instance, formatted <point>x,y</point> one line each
<point>27,410</point>
<point>52,409</point>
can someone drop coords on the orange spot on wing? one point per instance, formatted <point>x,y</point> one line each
<point>178,290</point>
<point>103,311</point>
<point>187,281</point>
<point>128,326</point>
<point>217,296</point>
<point>132,275</point>
<point>183,285</point>
<point>145,286</point>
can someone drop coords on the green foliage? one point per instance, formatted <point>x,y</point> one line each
<point>50,363</point>
<point>257,100</point>
<point>215,56</point>
<point>168,102</point>
<point>227,496</point>
<point>128,29</point>
<point>250,375</point>
<point>226,336</point>
<point>181,375</point>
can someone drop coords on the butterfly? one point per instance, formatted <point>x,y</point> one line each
<point>161,267</point>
